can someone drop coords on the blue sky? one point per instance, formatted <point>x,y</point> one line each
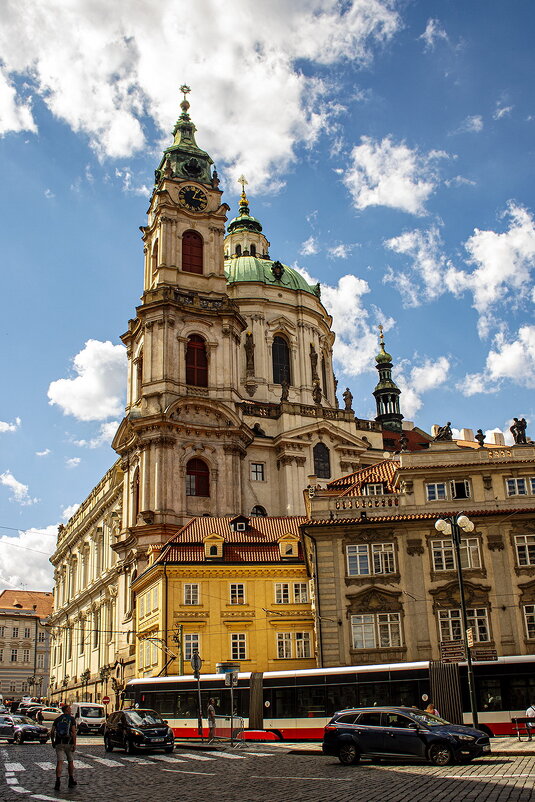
<point>389,152</point>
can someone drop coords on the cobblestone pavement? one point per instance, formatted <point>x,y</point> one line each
<point>257,773</point>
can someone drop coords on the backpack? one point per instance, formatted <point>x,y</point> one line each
<point>63,728</point>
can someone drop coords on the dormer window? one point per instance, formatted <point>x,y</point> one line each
<point>240,524</point>
<point>288,546</point>
<point>376,489</point>
<point>213,547</point>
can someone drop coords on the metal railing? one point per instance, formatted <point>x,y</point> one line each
<point>229,729</point>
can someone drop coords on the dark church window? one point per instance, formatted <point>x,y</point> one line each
<point>196,362</point>
<point>258,511</point>
<point>135,500</point>
<point>322,461</point>
<point>281,361</point>
<point>238,250</point>
<point>154,257</point>
<point>192,252</point>
<point>197,478</point>
<point>253,250</point>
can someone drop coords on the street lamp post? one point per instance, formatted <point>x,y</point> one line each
<point>452,526</point>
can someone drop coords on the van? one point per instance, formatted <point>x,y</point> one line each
<point>89,717</point>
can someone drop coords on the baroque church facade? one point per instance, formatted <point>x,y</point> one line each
<point>231,409</point>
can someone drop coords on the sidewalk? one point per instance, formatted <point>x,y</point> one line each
<point>503,745</point>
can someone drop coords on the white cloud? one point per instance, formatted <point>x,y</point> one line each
<point>510,359</point>
<point>421,379</point>
<point>309,247</point>
<point>459,181</point>
<point>129,185</point>
<point>383,173</point>
<point>72,462</point>
<point>10,427</point>
<point>340,251</point>
<point>20,492</point>
<point>502,111</point>
<point>424,281</point>
<point>24,559</point>
<point>356,336</point>
<point>15,112</point>
<point>470,125</point>
<point>105,436</point>
<point>97,391</point>
<point>434,32</point>
<point>44,453</point>
<point>49,194</point>
<point>503,264</point>
<point>68,512</point>
<point>106,78</point>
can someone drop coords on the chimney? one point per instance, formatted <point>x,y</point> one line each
<point>467,434</point>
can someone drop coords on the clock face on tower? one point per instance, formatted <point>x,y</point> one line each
<point>192,198</point>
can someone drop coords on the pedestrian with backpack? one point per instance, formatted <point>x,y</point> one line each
<point>63,735</point>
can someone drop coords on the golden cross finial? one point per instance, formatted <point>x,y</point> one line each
<point>185,89</point>
<point>381,336</point>
<point>243,181</point>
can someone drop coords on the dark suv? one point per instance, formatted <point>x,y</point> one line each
<point>400,732</point>
<point>137,729</point>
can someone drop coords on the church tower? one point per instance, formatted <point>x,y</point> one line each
<point>387,392</point>
<point>181,440</point>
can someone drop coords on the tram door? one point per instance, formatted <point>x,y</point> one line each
<point>446,690</point>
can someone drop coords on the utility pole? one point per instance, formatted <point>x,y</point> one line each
<point>178,638</point>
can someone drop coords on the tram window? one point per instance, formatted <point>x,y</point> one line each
<point>522,692</point>
<point>283,703</point>
<point>489,694</point>
<point>310,702</point>
<point>340,697</point>
<point>404,694</point>
<point>188,704</point>
<point>164,702</point>
<point>374,693</point>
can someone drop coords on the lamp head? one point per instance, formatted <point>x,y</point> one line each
<point>465,523</point>
<point>442,526</point>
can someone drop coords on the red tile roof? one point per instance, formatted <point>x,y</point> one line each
<point>259,544</point>
<point>420,516</point>
<point>417,440</point>
<point>24,600</point>
<point>381,473</point>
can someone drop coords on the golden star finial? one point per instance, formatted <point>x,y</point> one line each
<point>243,181</point>
<point>185,89</point>
<point>381,336</point>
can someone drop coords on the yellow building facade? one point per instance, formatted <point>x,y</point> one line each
<point>232,589</point>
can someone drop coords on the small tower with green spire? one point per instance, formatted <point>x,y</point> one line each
<point>245,236</point>
<point>386,391</point>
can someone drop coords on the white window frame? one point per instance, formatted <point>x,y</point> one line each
<point>375,489</point>
<point>25,655</point>
<point>41,637</point>
<point>191,644</point>
<point>284,645</point>
<point>300,592</point>
<point>444,558</point>
<point>1,655</point>
<point>529,621</point>
<point>40,661</point>
<point>238,646</point>
<point>191,593</point>
<point>516,486</point>
<point>142,606</point>
<point>432,492</point>
<point>258,471</point>
<point>14,656</point>
<point>15,632</point>
<point>303,649</point>
<point>2,632</point>
<point>525,550</point>
<point>451,625</point>
<point>532,485</point>
<point>236,595</point>
<point>376,631</point>
<point>282,593</point>
<point>155,597</point>
<point>27,633</point>
<point>375,559</point>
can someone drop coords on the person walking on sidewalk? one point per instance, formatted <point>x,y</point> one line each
<point>210,714</point>
<point>530,725</point>
<point>63,735</point>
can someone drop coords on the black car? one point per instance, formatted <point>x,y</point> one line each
<point>26,729</point>
<point>137,729</point>
<point>400,732</point>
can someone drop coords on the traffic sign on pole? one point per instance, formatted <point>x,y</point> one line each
<point>105,700</point>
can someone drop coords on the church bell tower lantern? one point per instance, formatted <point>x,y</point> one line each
<point>387,392</point>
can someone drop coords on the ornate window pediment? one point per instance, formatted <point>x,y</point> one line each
<point>375,600</point>
<point>448,595</point>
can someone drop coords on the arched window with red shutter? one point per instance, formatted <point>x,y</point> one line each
<point>196,362</point>
<point>197,478</point>
<point>192,252</point>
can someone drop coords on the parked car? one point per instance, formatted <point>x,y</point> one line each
<point>400,732</point>
<point>46,715</point>
<point>137,729</point>
<point>89,717</point>
<point>26,729</point>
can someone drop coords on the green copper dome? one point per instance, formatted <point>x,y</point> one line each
<point>251,268</point>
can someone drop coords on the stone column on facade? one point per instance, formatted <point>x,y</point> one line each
<point>507,630</point>
<point>420,638</point>
<point>145,468</point>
